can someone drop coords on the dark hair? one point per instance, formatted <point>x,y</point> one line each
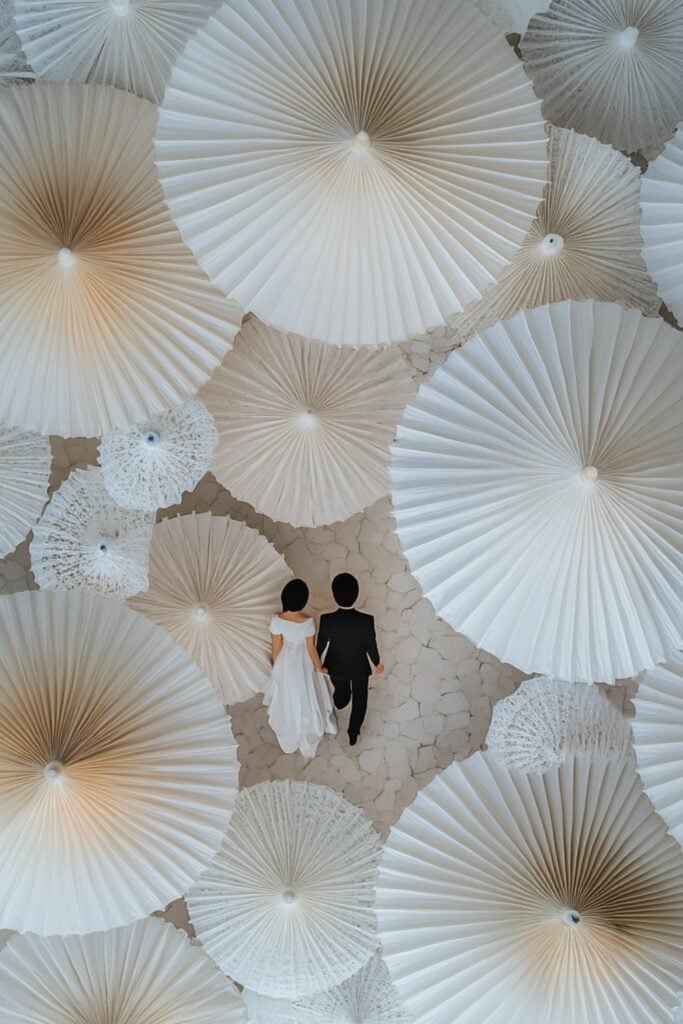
<point>345,589</point>
<point>294,596</point>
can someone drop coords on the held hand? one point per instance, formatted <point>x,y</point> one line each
<point>379,670</point>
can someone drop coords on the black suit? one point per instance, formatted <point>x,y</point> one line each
<point>351,638</point>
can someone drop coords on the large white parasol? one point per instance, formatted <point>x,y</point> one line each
<point>286,906</point>
<point>585,242</point>
<point>662,205</point>
<point>538,491</point>
<point>151,464</point>
<point>84,541</point>
<point>128,43</point>
<point>610,68</point>
<point>351,171</point>
<point>25,462</point>
<point>510,897</point>
<point>214,583</point>
<point>304,428</point>
<point>146,973</point>
<point>658,739</point>
<point>118,769</point>
<point>547,720</point>
<point>114,320</point>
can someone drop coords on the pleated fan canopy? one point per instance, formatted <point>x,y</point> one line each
<point>114,319</point>
<point>25,463</point>
<point>658,739</point>
<point>118,769</point>
<point>304,428</point>
<point>146,973</point>
<point>507,897</point>
<point>127,43</point>
<point>585,242</point>
<point>354,171</point>
<point>214,583</point>
<point>537,485</point>
<point>286,906</point>
<point>612,69</point>
<point>662,204</point>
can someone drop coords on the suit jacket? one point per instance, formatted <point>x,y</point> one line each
<point>351,638</point>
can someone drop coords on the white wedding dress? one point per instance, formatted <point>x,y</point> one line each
<point>298,698</point>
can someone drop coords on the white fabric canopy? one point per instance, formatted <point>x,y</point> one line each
<point>351,170</point>
<point>213,584</point>
<point>146,973</point>
<point>304,428</point>
<point>114,320</point>
<point>537,486</point>
<point>662,204</point>
<point>127,43</point>
<point>610,68</point>
<point>286,906</point>
<point>25,463</point>
<point>508,897</point>
<point>118,769</point>
<point>658,739</point>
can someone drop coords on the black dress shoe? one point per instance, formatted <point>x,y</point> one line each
<point>353,739</point>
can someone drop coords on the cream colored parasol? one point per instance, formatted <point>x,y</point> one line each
<point>538,490</point>
<point>25,463</point>
<point>610,68</point>
<point>658,739</point>
<point>113,319</point>
<point>303,428</point>
<point>585,242</point>
<point>146,973</point>
<point>118,769</point>
<point>351,170</point>
<point>662,204</point>
<point>286,906</point>
<point>547,720</point>
<point>150,465</point>
<point>509,897</point>
<point>128,43</point>
<point>84,541</point>
<point>213,585</point>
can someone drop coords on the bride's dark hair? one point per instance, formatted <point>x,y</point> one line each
<point>294,596</point>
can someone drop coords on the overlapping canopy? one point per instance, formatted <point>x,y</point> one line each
<point>662,203</point>
<point>25,463</point>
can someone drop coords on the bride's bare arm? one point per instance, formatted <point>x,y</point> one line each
<point>276,646</point>
<point>315,658</point>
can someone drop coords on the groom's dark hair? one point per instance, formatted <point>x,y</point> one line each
<point>345,589</point>
<point>294,596</point>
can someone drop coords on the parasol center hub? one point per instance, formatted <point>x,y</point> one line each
<point>288,896</point>
<point>588,475</point>
<point>152,438</point>
<point>103,545</point>
<point>361,141</point>
<point>66,257</point>
<point>628,38</point>
<point>572,918</point>
<point>120,7</point>
<point>201,613</point>
<point>552,244</point>
<point>307,420</point>
<point>53,771</point>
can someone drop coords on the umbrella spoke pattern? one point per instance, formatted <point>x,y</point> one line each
<point>662,204</point>
<point>25,463</point>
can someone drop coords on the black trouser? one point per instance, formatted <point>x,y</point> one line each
<point>344,689</point>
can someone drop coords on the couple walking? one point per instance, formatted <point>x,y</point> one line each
<point>297,696</point>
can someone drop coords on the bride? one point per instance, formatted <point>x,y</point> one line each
<point>297,695</point>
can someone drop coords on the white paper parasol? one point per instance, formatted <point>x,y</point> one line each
<point>151,464</point>
<point>538,491</point>
<point>214,583</point>
<point>304,428</point>
<point>547,720</point>
<point>128,43</point>
<point>658,739</point>
<point>610,68</point>
<point>118,769</point>
<point>84,541</point>
<point>508,897</point>
<point>286,906</point>
<point>662,204</point>
<point>114,320</point>
<point>13,66</point>
<point>368,997</point>
<point>512,15</point>
<point>25,463</point>
<point>351,171</point>
<point>585,242</point>
<point>146,973</point>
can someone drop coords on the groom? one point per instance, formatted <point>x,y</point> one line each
<point>351,654</point>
